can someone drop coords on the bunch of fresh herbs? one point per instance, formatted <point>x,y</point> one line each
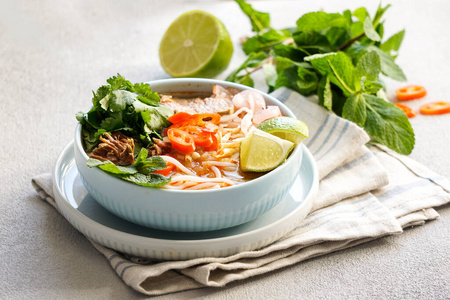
<point>338,57</point>
<point>122,106</point>
<point>134,110</point>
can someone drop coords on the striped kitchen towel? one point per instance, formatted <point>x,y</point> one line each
<point>365,192</point>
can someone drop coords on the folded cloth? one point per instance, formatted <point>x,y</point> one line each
<point>365,192</point>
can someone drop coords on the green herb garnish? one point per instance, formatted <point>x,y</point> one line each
<point>122,106</point>
<point>337,56</point>
<point>134,110</point>
<point>140,172</point>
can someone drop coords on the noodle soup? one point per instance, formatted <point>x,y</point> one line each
<point>201,146</point>
<point>173,205</point>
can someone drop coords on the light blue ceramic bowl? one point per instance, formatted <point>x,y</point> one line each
<point>190,211</point>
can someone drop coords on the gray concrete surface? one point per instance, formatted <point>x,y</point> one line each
<point>53,54</point>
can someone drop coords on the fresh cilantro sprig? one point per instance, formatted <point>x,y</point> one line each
<point>122,106</point>
<point>140,172</point>
<point>337,56</point>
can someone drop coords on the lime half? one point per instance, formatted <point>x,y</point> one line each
<point>260,151</point>
<point>196,44</point>
<point>286,128</point>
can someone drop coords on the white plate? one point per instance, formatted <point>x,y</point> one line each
<point>87,216</point>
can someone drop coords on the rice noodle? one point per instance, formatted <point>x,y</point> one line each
<point>202,186</point>
<point>176,178</point>
<point>177,164</point>
<point>216,171</point>
<point>220,163</point>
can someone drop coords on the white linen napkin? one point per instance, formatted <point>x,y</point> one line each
<point>365,192</point>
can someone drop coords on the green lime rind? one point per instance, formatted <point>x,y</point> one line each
<point>196,44</point>
<point>262,152</point>
<point>286,128</point>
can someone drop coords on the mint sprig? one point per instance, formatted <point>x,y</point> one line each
<point>337,56</point>
<point>140,172</point>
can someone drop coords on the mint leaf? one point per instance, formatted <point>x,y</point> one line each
<point>152,164</point>
<point>318,21</point>
<point>392,45</point>
<point>355,109</point>
<point>369,30</point>
<point>388,125</point>
<point>297,79</point>
<point>148,165</point>
<point>324,93</point>
<point>291,52</point>
<point>369,66</point>
<point>265,41</point>
<point>259,20</point>
<point>380,12</point>
<point>338,67</point>
<point>253,61</point>
<point>388,66</point>
<point>111,168</point>
<point>312,42</point>
<point>271,75</point>
<point>360,13</point>
<point>139,173</point>
<point>150,180</point>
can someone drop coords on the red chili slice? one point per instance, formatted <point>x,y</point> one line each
<point>409,112</point>
<point>214,144</point>
<point>179,117</point>
<point>167,170</point>
<point>435,108</point>
<point>181,141</point>
<point>410,92</point>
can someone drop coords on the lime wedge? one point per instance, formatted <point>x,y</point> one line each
<point>260,151</point>
<point>196,44</point>
<point>286,128</point>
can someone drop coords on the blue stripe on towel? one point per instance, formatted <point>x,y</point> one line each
<point>400,189</point>
<point>113,256</point>
<point>337,140</point>
<point>118,264</point>
<point>311,141</point>
<point>330,134</point>
<point>124,269</point>
<point>323,213</point>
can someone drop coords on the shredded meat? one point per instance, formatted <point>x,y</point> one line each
<point>159,148</point>
<point>117,148</point>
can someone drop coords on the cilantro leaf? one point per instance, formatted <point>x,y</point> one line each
<point>123,106</point>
